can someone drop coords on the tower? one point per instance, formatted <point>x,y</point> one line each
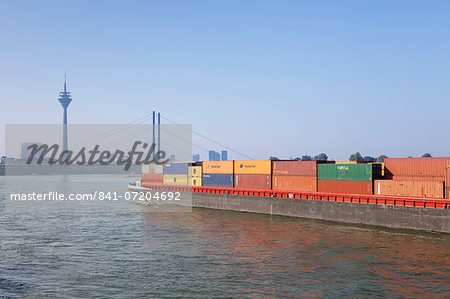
<point>65,99</point>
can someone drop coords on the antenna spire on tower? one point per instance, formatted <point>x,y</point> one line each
<point>65,89</point>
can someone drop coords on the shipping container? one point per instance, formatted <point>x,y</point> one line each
<point>349,172</point>
<point>350,187</point>
<point>225,167</point>
<point>409,188</point>
<point>350,162</point>
<point>298,183</point>
<point>253,181</point>
<point>152,178</point>
<point>218,179</point>
<point>448,193</point>
<point>253,167</point>
<point>447,179</point>
<point>417,178</point>
<point>195,181</point>
<point>425,167</point>
<point>152,168</point>
<point>175,168</point>
<point>294,168</point>
<point>176,179</point>
<point>195,171</point>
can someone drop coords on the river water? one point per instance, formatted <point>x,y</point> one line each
<point>117,249</point>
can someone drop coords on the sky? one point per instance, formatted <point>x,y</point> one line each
<point>264,78</point>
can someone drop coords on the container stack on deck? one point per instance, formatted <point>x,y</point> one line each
<point>195,174</point>
<point>253,174</point>
<point>419,177</point>
<point>294,175</point>
<point>176,174</point>
<point>152,174</point>
<point>218,173</point>
<point>447,182</point>
<point>413,177</point>
<point>347,178</point>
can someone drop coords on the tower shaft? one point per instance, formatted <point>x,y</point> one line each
<point>65,138</point>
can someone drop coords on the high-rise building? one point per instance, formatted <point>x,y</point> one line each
<point>214,156</point>
<point>224,155</point>
<point>172,158</point>
<point>65,99</point>
<point>25,151</point>
<point>196,157</point>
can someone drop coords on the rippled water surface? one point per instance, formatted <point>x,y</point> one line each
<point>71,249</point>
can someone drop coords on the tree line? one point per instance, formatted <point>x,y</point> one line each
<point>353,157</point>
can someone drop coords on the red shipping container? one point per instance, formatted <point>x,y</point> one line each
<point>409,188</point>
<point>447,183</point>
<point>427,167</point>
<point>447,179</point>
<point>253,181</point>
<point>302,168</point>
<point>295,183</point>
<point>417,178</point>
<point>350,187</point>
<point>148,178</point>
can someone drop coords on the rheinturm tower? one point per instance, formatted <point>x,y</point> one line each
<point>65,99</point>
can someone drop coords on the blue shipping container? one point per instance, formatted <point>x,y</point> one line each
<point>175,168</point>
<point>218,179</point>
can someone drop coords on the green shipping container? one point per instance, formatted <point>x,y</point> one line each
<point>349,172</point>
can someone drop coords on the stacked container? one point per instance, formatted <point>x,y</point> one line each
<point>294,175</point>
<point>416,169</point>
<point>176,174</point>
<point>253,174</point>
<point>417,173</point>
<point>347,178</point>
<point>152,174</point>
<point>194,175</point>
<point>433,189</point>
<point>447,183</point>
<point>217,173</point>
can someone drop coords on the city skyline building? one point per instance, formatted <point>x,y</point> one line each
<point>224,155</point>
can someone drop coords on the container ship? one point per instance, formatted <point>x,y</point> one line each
<point>417,187</point>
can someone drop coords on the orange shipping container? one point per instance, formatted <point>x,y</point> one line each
<point>152,168</point>
<point>252,181</point>
<point>448,193</point>
<point>447,179</point>
<point>297,183</point>
<point>409,188</point>
<point>253,167</point>
<point>428,167</point>
<point>350,187</point>
<point>418,178</point>
<point>218,167</point>
<point>152,178</point>
<point>294,168</point>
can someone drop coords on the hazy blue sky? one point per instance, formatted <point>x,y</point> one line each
<point>282,78</point>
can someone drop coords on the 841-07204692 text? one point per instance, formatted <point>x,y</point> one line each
<point>98,195</point>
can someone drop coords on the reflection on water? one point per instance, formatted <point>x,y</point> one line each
<point>73,248</point>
